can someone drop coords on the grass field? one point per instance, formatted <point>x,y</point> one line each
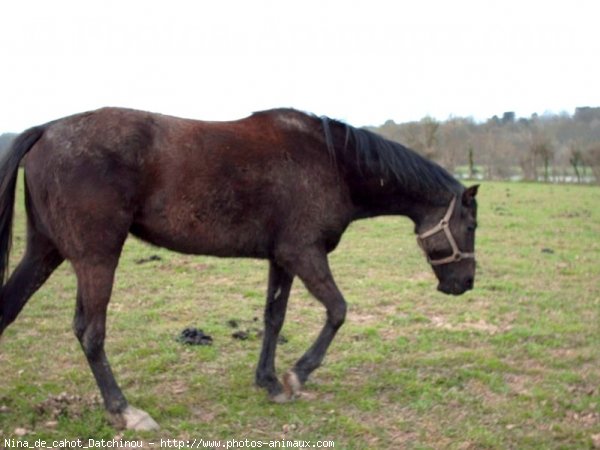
<point>514,364</point>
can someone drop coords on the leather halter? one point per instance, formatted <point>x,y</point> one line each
<point>444,226</point>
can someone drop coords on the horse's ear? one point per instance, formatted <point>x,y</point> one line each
<point>469,195</point>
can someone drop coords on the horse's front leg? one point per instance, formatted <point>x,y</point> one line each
<point>278,292</point>
<point>313,269</point>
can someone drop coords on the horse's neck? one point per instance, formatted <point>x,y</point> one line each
<point>378,197</point>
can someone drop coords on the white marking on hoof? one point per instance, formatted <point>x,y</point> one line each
<point>282,397</point>
<point>291,384</point>
<point>138,420</point>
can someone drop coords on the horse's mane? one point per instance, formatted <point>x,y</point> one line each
<point>372,154</point>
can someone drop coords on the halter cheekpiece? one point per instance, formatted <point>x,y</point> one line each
<point>444,226</point>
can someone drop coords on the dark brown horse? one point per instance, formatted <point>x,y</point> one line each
<point>280,185</point>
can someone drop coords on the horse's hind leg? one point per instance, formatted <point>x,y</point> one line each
<point>40,259</point>
<point>280,282</point>
<point>94,285</point>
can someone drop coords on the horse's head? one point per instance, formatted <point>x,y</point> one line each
<point>449,243</point>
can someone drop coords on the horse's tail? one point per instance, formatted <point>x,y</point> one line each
<point>9,169</point>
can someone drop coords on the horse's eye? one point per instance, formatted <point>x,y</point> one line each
<point>471,228</point>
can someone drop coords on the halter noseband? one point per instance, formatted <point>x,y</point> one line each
<point>444,226</point>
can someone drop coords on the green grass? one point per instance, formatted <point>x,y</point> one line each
<point>513,364</point>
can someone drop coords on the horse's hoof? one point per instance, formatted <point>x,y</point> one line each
<point>282,397</point>
<point>138,420</point>
<point>291,384</point>
<point>291,388</point>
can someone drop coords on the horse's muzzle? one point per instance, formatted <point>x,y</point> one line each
<point>456,288</point>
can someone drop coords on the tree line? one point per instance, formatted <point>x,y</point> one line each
<point>5,141</point>
<point>548,147</point>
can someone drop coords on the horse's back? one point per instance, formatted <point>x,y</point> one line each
<point>240,187</point>
<point>221,188</point>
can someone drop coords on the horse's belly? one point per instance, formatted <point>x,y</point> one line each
<point>244,238</point>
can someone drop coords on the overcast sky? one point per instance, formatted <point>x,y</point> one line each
<point>362,62</point>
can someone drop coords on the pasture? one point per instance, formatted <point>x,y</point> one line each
<point>515,363</point>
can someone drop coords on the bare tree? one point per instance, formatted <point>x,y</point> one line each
<point>471,163</point>
<point>422,136</point>
<point>576,158</point>
<point>545,151</point>
<point>430,138</point>
<point>452,142</point>
<point>592,158</point>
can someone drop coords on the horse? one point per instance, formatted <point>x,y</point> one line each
<point>280,185</point>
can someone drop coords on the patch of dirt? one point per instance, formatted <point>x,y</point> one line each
<point>480,390</point>
<point>480,325</point>
<point>204,415</point>
<point>518,383</point>
<point>364,318</point>
<point>587,419</point>
<point>68,405</point>
<point>596,440</point>
<point>584,213</point>
<point>422,276</point>
<point>372,315</point>
<point>354,375</point>
<point>195,265</point>
<point>178,387</point>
